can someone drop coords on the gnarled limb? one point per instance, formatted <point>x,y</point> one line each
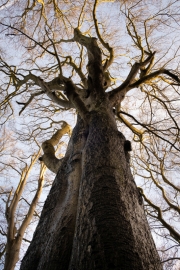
<point>118,94</point>
<point>95,68</point>
<point>52,95</point>
<point>75,99</point>
<point>49,157</point>
<point>47,87</point>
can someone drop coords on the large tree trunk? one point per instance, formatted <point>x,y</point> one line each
<point>93,217</point>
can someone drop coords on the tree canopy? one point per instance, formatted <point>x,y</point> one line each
<point>47,44</point>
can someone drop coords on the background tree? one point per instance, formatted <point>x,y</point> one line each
<point>142,42</point>
<point>19,209</point>
<point>18,202</point>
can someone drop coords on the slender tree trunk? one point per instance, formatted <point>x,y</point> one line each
<point>12,253</point>
<point>93,217</point>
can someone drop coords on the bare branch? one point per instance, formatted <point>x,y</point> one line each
<point>106,45</point>
<point>117,94</point>
<point>29,101</point>
<point>154,75</point>
<point>150,130</point>
<point>172,232</point>
<point>34,202</point>
<point>30,38</point>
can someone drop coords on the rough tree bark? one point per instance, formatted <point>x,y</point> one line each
<point>93,217</point>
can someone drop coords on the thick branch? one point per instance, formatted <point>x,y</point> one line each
<point>95,68</point>
<point>47,87</point>
<point>49,157</point>
<point>116,94</point>
<point>135,130</point>
<point>52,95</point>
<point>154,75</point>
<point>70,91</point>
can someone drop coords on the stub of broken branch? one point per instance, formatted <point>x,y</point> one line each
<point>49,158</point>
